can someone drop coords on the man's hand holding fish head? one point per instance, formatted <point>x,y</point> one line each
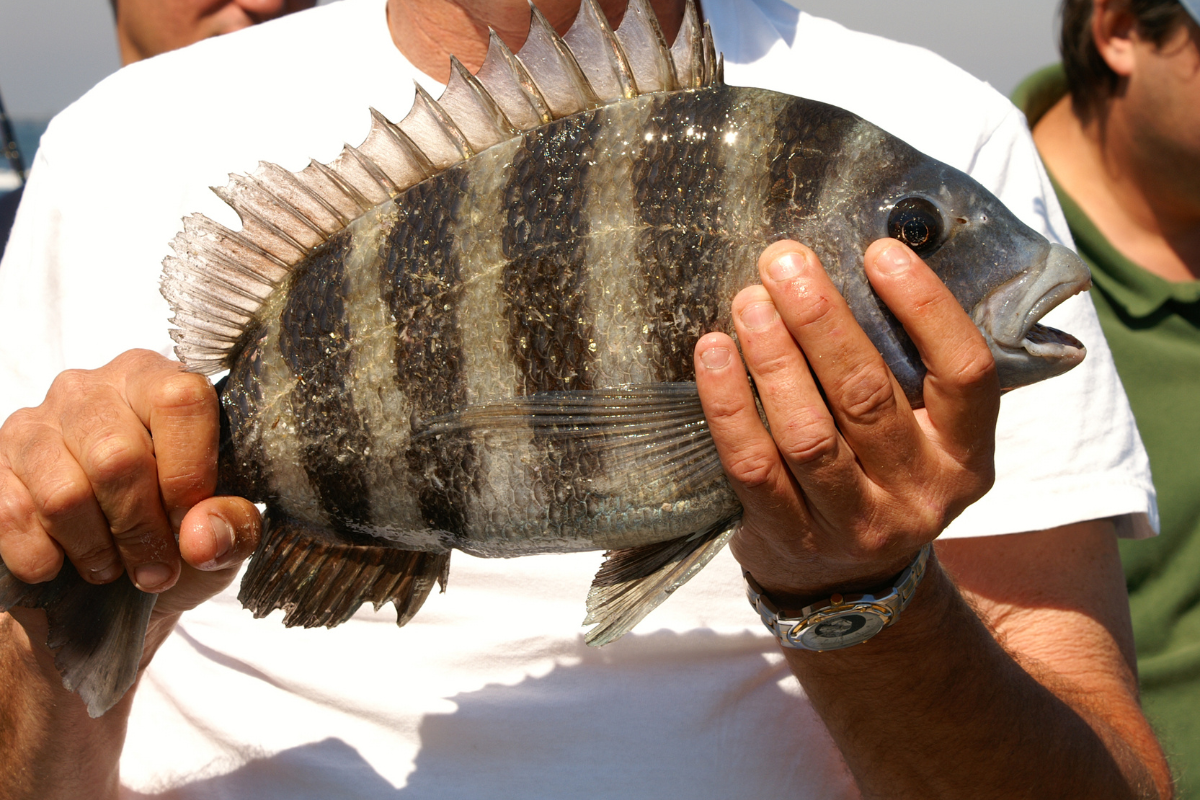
<point>858,481</point>
<point>849,482</point>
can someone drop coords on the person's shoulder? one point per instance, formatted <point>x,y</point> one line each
<point>254,64</point>
<point>284,91</point>
<point>905,89</point>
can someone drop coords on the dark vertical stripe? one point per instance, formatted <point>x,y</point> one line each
<point>809,138</point>
<point>545,280</point>
<point>813,153</point>
<point>679,189</point>
<point>314,337</point>
<point>240,461</point>
<point>421,284</point>
<point>545,284</point>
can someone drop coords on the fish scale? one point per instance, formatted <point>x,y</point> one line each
<point>475,330</point>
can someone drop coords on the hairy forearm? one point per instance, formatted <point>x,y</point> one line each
<point>934,707</point>
<point>49,747</point>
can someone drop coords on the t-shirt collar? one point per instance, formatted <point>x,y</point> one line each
<point>1136,290</point>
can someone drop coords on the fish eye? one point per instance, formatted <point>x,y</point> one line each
<point>916,222</point>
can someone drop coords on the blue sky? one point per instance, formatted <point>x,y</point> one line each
<point>52,51</point>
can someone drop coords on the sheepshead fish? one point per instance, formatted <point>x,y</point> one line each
<point>475,330</point>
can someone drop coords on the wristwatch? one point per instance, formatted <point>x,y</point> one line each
<point>842,620</point>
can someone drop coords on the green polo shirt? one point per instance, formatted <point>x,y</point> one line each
<point>1153,328</point>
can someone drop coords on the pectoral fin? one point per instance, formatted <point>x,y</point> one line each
<point>633,582</point>
<point>652,438</point>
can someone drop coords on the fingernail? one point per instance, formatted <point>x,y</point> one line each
<point>715,357</point>
<point>149,577</point>
<point>106,574</point>
<point>177,517</point>
<point>223,540</point>
<point>785,267</point>
<point>759,315</point>
<point>894,258</point>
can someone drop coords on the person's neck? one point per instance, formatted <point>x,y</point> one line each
<point>428,32</point>
<point>1146,202</point>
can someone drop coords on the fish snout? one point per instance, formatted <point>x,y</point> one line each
<point>1025,350</point>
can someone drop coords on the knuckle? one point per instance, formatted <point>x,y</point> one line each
<point>978,367</point>
<point>21,423</point>
<point>38,566</point>
<point>71,383</point>
<point>94,556</point>
<point>721,409</point>
<point>61,499</point>
<point>190,483</point>
<point>867,396</point>
<point>771,365</point>
<point>811,307</point>
<point>808,438</point>
<point>117,457</point>
<point>16,510</point>
<point>143,544</point>
<point>183,391</point>
<point>751,468</point>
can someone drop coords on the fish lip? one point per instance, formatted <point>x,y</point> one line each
<point>1035,293</point>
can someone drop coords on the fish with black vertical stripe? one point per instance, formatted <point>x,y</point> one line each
<point>474,331</point>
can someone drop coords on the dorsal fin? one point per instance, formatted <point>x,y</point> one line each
<point>646,49</point>
<point>600,55</point>
<point>218,278</point>
<point>688,51</point>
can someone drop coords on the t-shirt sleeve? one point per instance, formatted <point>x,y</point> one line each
<point>1067,449</point>
<point>30,317</point>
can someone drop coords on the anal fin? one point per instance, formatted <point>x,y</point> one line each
<point>97,632</point>
<point>318,580</point>
<point>634,581</point>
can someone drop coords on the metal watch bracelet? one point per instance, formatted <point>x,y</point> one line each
<point>842,620</point>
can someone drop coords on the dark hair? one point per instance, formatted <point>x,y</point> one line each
<point>1090,80</point>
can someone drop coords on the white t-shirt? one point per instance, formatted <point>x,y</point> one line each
<point>490,691</point>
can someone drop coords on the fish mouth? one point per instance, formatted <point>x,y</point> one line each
<point>1025,350</point>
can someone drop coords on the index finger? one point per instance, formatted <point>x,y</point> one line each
<point>180,410</point>
<point>961,390</point>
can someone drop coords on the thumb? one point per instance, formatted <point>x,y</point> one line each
<point>215,537</point>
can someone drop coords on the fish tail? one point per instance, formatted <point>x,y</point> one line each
<point>97,632</point>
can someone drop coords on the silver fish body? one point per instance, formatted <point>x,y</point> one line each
<point>585,256</point>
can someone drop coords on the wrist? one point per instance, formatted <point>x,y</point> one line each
<point>843,619</point>
<point>797,579</point>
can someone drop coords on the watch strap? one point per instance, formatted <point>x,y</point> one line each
<point>842,620</point>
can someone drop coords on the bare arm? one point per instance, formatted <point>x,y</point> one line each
<point>103,473</point>
<point>1011,673</point>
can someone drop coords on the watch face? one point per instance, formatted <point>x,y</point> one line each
<point>838,629</point>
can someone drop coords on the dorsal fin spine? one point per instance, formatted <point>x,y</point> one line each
<point>219,278</point>
<point>247,213</point>
<point>343,185</point>
<point>570,91</point>
<point>283,177</point>
<point>404,143</point>
<point>506,63</point>
<point>645,46</point>
<point>296,213</point>
<point>373,170</point>
<point>609,71</point>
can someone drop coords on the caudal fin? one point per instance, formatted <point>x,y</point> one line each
<point>97,632</point>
